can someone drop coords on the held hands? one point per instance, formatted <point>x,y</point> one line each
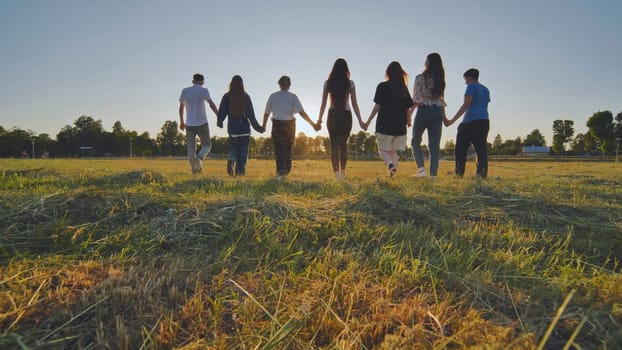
<point>448,122</point>
<point>317,125</point>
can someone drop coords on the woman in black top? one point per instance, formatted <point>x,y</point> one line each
<point>392,103</point>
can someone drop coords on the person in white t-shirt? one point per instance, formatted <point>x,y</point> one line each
<point>283,105</point>
<point>193,100</point>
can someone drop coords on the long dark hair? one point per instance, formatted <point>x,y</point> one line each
<point>338,83</point>
<point>434,70</point>
<point>237,97</point>
<point>398,79</point>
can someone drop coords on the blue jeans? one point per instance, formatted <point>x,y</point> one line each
<point>430,118</point>
<point>206,144</point>
<point>238,152</point>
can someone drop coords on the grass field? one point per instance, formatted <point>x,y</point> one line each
<point>140,254</point>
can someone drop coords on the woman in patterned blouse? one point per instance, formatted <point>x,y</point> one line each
<point>429,98</point>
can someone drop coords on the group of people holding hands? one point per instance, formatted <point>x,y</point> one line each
<point>393,107</point>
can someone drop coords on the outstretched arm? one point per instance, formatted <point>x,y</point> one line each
<point>372,115</point>
<point>465,106</point>
<point>305,116</point>
<point>222,111</point>
<point>213,106</point>
<point>355,106</point>
<point>250,113</point>
<point>322,108</point>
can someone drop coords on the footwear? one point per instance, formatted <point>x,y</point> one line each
<point>197,165</point>
<point>230,164</point>
<point>420,173</point>
<point>392,170</point>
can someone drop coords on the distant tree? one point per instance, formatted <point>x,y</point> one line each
<point>584,144</point>
<point>510,147</point>
<point>326,145</point>
<point>449,149</point>
<point>300,145</point>
<point>220,146</point>
<point>14,141</point>
<point>563,130</point>
<point>117,128</point>
<point>142,144</point>
<point>497,143</point>
<point>252,146</point>
<point>356,144</point>
<point>66,141</point>
<point>600,126</point>
<point>43,143</point>
<point>170,141</point>
<point>88,132</point>
<point>577,144</point>
<point>265,146</point>
<point>618,133</point>
<point>535,138</point>
<point>316,146</point>
<point>618,127</point>
<point>371,146</point>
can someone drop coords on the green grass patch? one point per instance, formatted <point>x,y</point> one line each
<point>132,254</point>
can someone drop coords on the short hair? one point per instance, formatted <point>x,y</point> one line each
<point>284,82</point>
<point>472,73</point>
<point>198,77</point>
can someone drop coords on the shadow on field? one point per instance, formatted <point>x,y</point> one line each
<point>131,178</point>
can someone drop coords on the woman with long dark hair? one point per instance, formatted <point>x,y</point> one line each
<point>238,106</point>
<point>392,104</point>
<point>342,91</point>
<point>429,98</point>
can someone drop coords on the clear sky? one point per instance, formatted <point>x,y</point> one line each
<point>128,60</point>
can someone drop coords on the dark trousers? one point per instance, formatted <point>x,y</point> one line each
<point>475,133</point>
<point>238,153</point>
<point>283,133</point>
<point>339,127</point>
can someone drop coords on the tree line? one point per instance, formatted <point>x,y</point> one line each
<point>87,137</point>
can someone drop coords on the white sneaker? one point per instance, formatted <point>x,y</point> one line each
<point>420,173</point>
<point>199,165</point>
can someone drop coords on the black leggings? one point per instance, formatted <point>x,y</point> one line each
<point>339,127</point>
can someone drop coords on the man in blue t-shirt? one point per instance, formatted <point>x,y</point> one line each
<point>475,125</point>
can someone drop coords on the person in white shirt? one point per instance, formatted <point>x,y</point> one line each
<point>283,105</point>
<point>193,100</point>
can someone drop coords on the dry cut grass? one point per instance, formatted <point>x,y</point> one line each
<point>141,254</point>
